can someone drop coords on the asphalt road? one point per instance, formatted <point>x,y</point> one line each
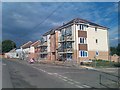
<point>20,74</point>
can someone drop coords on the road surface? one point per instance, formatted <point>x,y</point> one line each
<point>20,74</point>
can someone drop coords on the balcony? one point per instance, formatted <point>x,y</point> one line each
<point>69,50</point>
<point>66,39</point>
<point>65,50</point>
<point>69,38</point>
<point>60,49</point>
<point>43,44</point>
<point>44,52</point>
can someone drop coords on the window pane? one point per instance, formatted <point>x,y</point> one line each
<point>80,40</point>
<point>82,27</point>
<point>85,53</point>
<point>96,40</point>
<point>81,54</point>
<point>83,40</point>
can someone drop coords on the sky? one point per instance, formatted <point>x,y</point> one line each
<point>24,21</point>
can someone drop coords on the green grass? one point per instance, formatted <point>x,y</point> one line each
<point>102,63</point>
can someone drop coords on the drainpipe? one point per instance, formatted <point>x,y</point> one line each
<point>109,52</point>
<point>76,42</point>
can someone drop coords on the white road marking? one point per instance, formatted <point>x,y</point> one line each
<point>64,79</point>
<point>76,82</point>
<point>55,73</point>
<point>50,73</point>
<point>86,86</point>
<point>70,82</point>
<point>70,72</point>
<point>56,66</point>
<point>60,77</point>
<point>79,86</point>
<point>41,70</point>
<point>70,79</point>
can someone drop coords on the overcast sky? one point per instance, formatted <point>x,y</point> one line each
<point>20,20</point>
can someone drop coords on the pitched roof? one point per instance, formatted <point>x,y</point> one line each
<point>76,20</point>
<point>26,45</point>
<point>13,50</point>
<point>51,31</point>
<point>79,20</point>
<point>47,33</point>
<point>36,43</point>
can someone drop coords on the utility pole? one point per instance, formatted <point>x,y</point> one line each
<point>95,60</point>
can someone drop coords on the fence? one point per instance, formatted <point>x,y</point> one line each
<point>109,80</point>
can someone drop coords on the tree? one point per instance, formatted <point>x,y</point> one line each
<point>8,45</point>
<point>118,49</point>
<point>113,50</point>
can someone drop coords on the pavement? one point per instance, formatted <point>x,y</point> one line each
<point>68,64</point>
<point>104,70</point>
<point>23,75</point>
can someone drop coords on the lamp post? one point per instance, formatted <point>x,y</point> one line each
<point>95,60</point>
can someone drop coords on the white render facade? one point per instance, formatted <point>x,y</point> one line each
<point>77,40</point>
<point>88,41</point>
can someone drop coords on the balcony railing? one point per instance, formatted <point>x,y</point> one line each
<point>43,50</point>
<point>60,49</point>
<point>69,38</point>
<point>43,44</point>
<point>66,38</point>
<point>65,50</point>
<point>69,50</point>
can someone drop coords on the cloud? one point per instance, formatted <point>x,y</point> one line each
<point>27,21</point>
<point>116,38</point>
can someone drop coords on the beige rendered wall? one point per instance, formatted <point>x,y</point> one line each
<point>102,55</point>
<point>33,55</point>
<point>102,37</point>
<point>114,58</point>
<point>75,44</point>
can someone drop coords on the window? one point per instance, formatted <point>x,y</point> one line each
<point>63,32</point>
<point>68,45</point>
<point>97,53</point>
<point>68,31</point>
<point>83,40</point>
<point>83,53</point>
<point>95,28</point>
<point>81,27</point>
<point>69,56</point>
<point>96,40</point>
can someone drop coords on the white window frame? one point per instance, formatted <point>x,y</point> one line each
<point>95,29</point>
<point>96,41</point>
<point>81,27</point>
<point>83,52</point>
<point>84,40</point>
<point>97,53</point>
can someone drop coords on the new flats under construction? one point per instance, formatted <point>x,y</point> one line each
<point>76,40</point>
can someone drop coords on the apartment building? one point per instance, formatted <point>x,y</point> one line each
<point>34,50</point>
<point>49,45</point>
<point>25,49</point>
<point>45,46</point>
<point>76,40</point>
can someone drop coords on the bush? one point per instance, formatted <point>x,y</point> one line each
<point>117,65</point>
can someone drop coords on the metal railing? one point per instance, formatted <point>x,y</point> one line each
<point>109,80</point>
